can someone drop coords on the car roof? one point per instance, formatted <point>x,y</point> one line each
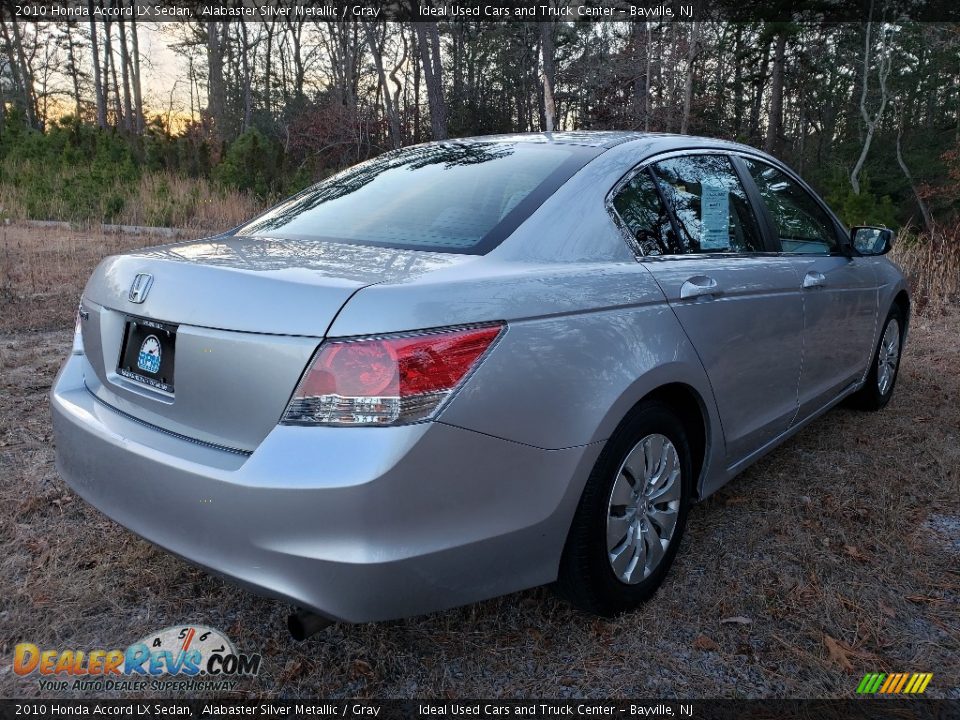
<point>606,139</point>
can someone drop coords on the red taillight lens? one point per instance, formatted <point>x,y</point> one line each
<point>386,381</point>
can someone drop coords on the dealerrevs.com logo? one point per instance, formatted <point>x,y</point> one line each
<point>191,657</point>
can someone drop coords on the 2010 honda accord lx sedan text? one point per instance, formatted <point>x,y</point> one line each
<point>471,367</point>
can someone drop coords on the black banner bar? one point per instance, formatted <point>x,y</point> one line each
<point>913,709</point>
<point>489,10</point>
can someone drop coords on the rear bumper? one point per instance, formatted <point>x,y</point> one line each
<point>359,524</point>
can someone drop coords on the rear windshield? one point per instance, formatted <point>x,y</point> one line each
<point>447,197</point>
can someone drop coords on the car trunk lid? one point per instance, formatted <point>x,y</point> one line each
<point>244,316</point>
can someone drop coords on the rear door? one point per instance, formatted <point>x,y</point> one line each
<point>737,301</point>
<point>840,293</point>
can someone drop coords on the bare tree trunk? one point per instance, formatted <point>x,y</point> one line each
<point>396,96</point>
<point>647,106</point>
<point>428,40</point>
<point>111,70</point>
<point>267,81</point>
<point>98,85</point>
<point>14,66</point>
<point>20,69</point>
<point>549,75</point>
<point>216,92</point>
<point>871,122</point>
<point>74,73</point>
<point>775,125</point>
<point>692,50</point>
<point>672,85</point>
<point>393,121</point>
<point>247,77</point>
<point>415,41</point>
<point>128,121</point>
<point>641,80</point>
<point>924,210</point>
<point>759,82</point>
<point>137,90</point>
<point>738,82</point>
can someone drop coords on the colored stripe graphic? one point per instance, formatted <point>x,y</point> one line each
<point>891,681</point>
<point>894,683</point>
<point>903,680</point>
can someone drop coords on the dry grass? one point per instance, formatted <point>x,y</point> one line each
<point>842,548</point>
<point>168,200</point>
<point>158,199</point>
<point>932,263</point>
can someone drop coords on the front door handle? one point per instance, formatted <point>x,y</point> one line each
<point>699,286</point>
<point>814,279</point>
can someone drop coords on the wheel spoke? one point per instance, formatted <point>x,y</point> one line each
<point>654,545</point>
<point>634,467</point>
<point>653,455</point>
<point>668,492</point>
<point>622,494</point>
<point>667,465</point>
<point>618,528</point>
<point>638,560</point>
<point>666,520</point>
<point>621,555</point>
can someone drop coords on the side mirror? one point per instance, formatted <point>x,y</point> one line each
<point>871,241</point>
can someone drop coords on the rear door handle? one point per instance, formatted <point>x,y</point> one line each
<point>699,286</point>
<point>814,279</point>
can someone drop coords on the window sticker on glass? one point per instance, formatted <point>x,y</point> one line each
<point>715,222</point>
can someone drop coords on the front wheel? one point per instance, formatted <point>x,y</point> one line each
<point>882,376</point>
<point>631,516</point>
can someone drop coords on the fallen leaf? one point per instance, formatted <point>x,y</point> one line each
<point>839,652</point>
<point>292,670</point>
<point>362,667</point>
<point>854,552</point>
<point>705,643</point>
<point>736,620</point>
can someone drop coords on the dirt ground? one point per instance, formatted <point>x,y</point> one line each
<point>836,555</point>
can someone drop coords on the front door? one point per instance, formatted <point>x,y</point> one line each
<point>840,293</point>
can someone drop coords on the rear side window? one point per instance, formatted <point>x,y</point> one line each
<point>447,197</point>
<point>803,226</point>
<point>642,211</point>
<point>709,204</point>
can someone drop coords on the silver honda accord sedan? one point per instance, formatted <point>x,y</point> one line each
<point>471,367</point>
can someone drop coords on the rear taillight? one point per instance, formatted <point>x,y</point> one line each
<point>388,380</point>
<point>78,331</point>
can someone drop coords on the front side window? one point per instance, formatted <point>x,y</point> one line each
<point>803,226</point>
<point>709,204</point>
<point>449,197</point>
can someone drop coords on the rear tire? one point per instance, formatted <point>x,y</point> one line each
<point>632,514</point>
<point>882,376</point>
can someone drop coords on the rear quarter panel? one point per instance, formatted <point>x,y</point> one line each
<point>584,343</point>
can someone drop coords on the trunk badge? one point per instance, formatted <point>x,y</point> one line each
<point>140,287</point>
